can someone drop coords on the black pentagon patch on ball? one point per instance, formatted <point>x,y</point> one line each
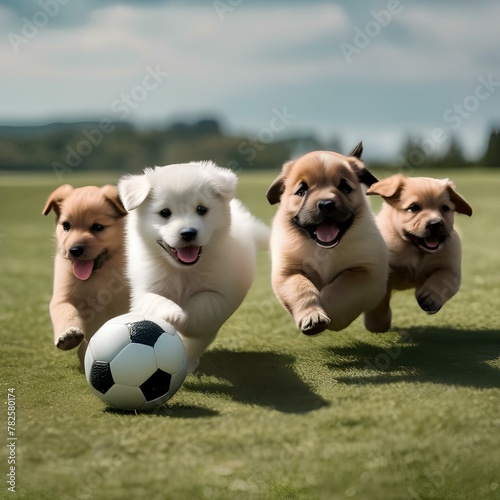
<point>145,332</point>
<point>157,385</point>
<point>101,377</point>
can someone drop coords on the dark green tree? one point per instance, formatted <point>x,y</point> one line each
<point>412,156</point>
<point>491,157</point>
<point>453,157</point>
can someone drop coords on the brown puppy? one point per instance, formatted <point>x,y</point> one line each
<point>329,260</point>
<point>89,285</point>
<point>425,251</point>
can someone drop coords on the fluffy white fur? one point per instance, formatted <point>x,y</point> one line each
<point>195,297</point>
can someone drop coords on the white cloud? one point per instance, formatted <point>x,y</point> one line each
<point>192,40</point>
<point>85,67</point>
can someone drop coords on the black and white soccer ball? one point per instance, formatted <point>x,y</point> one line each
<point>135,362</point>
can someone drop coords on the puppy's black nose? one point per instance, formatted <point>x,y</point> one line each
<point>434,225</point>
<point>326,206</point>
<point>189,233</point>
<point>77,250</point>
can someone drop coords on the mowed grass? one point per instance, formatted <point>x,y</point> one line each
<point>271,414</point>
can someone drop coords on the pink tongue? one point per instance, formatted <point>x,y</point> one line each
<point>432,242</point>
<point>188,254</point>
<point>327,231</point>
<point>82,269</point>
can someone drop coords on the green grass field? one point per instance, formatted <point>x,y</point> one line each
<point>271,414</point>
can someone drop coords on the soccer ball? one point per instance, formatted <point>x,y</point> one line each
<point>134,362</point>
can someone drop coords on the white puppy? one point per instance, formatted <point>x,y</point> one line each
<point>191,248</point>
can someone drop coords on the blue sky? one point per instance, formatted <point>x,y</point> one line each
<point>375,71</point>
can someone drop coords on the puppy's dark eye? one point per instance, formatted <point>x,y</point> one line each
<point>302,190</point>
<point>97,228</point>
<point>414,207</point>
<point>445,208</point>
<point>201,210</point>
<point>344,187</point>
<point>66,226</point>
<point>165,213</point>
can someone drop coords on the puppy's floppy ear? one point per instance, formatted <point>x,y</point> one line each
<point>133,190</point>
<point>277,187</point>
<point>56,198</point>
<point>111,194</point>
<point>389,188</point>
<point>357,151</point>
<point>461,206</point>
<point>223,181</point>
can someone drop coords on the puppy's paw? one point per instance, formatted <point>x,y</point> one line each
<point>177,318</point>
<point>428,304</point>
<point>378,323</point>
<point>193,365</point>
<point>313,323</point>
<point>377,326</point>
<point>70,339</point>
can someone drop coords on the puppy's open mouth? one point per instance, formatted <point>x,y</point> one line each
<point>188,255</point>
<point>430,244</point>
<point>328,233</point>
<point>83,269</point>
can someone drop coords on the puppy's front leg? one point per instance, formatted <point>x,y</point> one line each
<point>350,294</point>
<point>206,312</point>
<point>197,324</point>
<point>378,319</point>
<point>152,304</point>
<point>68,325</point>
<point>439,287</point>
<point>301,298</point>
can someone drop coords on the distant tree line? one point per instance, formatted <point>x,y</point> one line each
<point>491,156</point>
<point>108,146</point>
<point>415,154</point>
<point>63,148</point>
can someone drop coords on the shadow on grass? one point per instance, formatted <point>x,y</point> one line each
<point>266,379</point>
<point>171,411</point>
<point>438,355</point>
